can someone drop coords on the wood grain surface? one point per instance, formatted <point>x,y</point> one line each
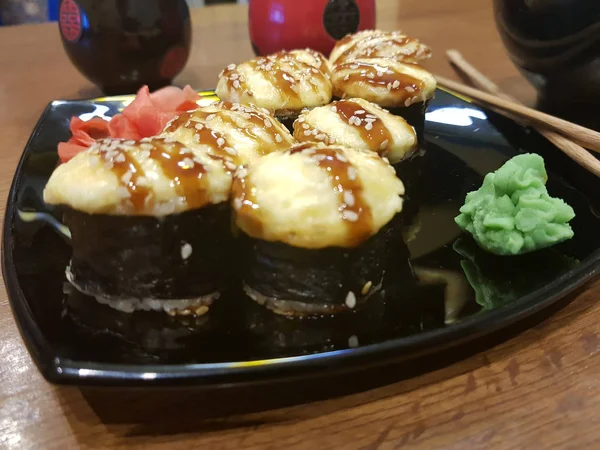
<point>531,387</point>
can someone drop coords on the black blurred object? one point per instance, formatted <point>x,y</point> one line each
<point>125,44</point>
<point>556,44</point>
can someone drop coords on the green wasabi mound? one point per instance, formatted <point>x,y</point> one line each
<point>512,213</point>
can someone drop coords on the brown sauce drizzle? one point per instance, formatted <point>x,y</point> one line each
<point>177,164</point>
<point>283,69</point>
<point>369,50</point>
<point>227,112</point>
<point>247,206</point>
<point>374,137</point>
<point>346,183</point>
<point>123,164</point>
<point>360,71</point>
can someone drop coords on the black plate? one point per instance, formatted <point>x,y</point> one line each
<point>77,341</point>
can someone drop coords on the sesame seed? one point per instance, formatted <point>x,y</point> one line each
<point>314,132</point>
<point>320,137</point>
<point>186,251</point>
<point>384,145</point>
<point>231,66</point>
<point>389,86</point>
<point>351,173</point>
<point>220,142</point>
<point>334,108</point>
<point>234,76</point>
<point>319,157</point>
<point>278,138</point>
<point>332,141</point>
<point>360,111</point>
<point>370,75</point>
<point>340,157</point>
<point>231,151</point>
<point>366,288</point>
<point>371,116</point>
<point>123,192</point>
<point>350,216</point>
<point>237,203</point>
<point>407,102</point>
<point>126,178</point>
<point>268,123</point>
<point>369,126</point>
<point>211,116</point>
<point>353,341</point>
<point>129,143</point>
<point>307,133</point>
<point>230,165</point>
<point>305,126</point>
<point>409,89</point>
<point>236,84</point>
<point>120,158</point>
<point>351,300</point>
<point>199,126</point>
<point>348,198</point>
<point>347,77</point>
<point>242,172</point>
<point>396,84</point>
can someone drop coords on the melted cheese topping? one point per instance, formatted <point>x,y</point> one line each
<point>379,44</point>
<point>152,177</point>
<point>316,196</point>
<point>383,81</point>
<point>239,134</point>
<point>283,82</point>
<point>358,124</point>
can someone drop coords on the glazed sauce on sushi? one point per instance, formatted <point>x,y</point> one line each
<point>246,204</point>
<point>363,48</point>
<point>239,117</point>
<point>345,182</point>
<point>381,76</point>
<point>177,163</point>
<point>130,174</point>
<point>282,70</point>
<point>371,128</point>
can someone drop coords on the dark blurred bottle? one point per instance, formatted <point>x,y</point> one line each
<point>121,45</point>
<point>556,44</point>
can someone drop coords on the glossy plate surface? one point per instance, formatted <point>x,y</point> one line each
<point>464,293</point>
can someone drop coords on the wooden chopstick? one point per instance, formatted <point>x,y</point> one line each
<point>587,138</point>
<point>576,152</point>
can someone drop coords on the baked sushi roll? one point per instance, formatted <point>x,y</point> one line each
<point>313,223</point>
<point>379,44</point>
<point>284,83</point>
<point>402,88</point>
<point>236,133</point>
<point>150,224</point>
<point>358,124</point>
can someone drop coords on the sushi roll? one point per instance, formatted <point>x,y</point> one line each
<point>239,134</point>
<point>284,83</point>
<point>358,124</point>
<point>150,224</point>
<point>379,44</point>
<point>313,223</point>
<point>402,88</point>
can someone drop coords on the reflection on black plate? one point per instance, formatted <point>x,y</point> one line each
<point>440,288</point>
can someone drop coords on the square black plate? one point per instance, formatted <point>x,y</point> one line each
<point>74,340</point>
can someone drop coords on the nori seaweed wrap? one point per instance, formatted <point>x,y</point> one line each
<point>149,224</point>
<point>313,222</point>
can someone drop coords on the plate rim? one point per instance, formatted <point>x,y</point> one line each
<point>75,372</point>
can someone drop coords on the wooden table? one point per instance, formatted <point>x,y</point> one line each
<point>540,389</point>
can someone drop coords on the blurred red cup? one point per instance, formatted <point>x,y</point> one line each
<point>288,24</point>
